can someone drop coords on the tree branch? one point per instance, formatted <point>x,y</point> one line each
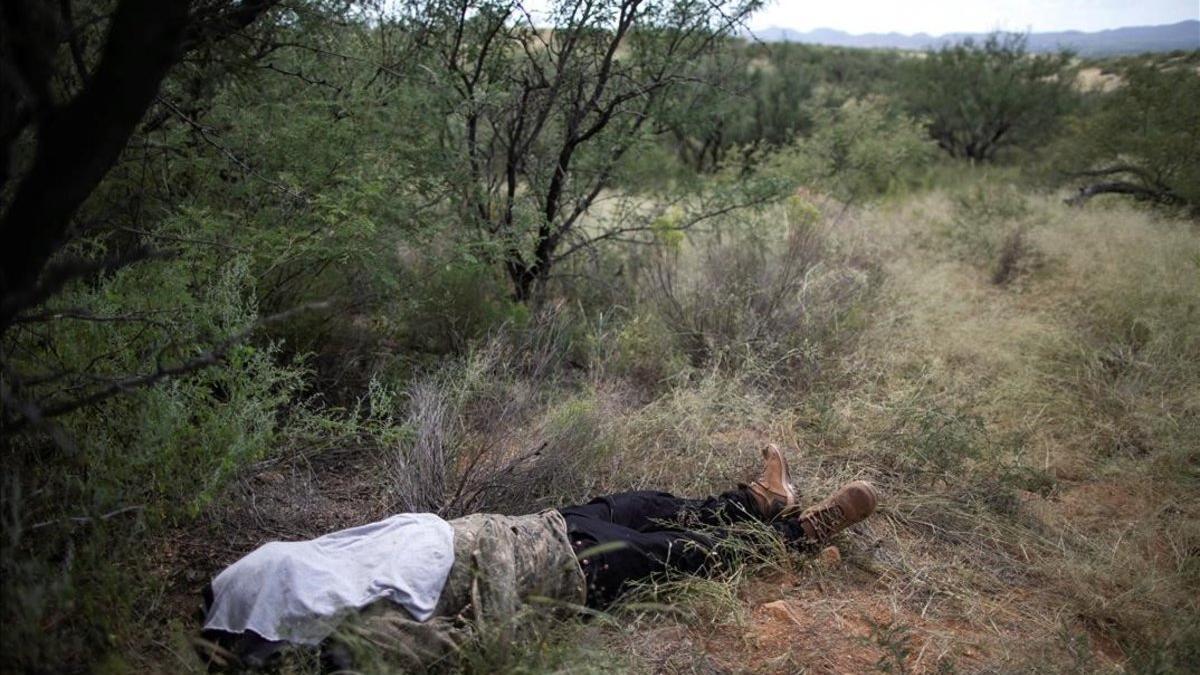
<point>36,413</point>
<point>58,275</point>
<point>78,143</point>
<point>1123,188</point>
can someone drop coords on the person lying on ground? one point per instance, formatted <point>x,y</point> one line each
<point>414,587</point>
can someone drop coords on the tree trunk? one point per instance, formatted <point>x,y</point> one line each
<point>80,140</point>
<point>79,143</point>
<point>1122,188</point>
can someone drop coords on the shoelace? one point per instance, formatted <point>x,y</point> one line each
<point>825,521</point>
<point>776,499</point>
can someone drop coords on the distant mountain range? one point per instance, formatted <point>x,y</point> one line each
<point>1182,35</point>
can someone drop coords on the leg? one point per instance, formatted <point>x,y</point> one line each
<point>658,548</point>
<point>655,529</point>
<point>764,499</point>
<point>640,555</point>
<point>654,537</point>
<point>646,511</point>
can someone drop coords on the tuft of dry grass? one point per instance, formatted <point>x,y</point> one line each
<point>1058,468</point>
<point>1035,441</point>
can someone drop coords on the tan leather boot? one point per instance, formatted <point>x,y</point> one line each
<point>852,503</point>
<point>772,490</point>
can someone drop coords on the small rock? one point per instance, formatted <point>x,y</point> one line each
<point>780,610</point>
<point>830,557</point>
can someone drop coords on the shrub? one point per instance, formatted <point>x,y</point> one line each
<point>736,102</point>
<point>646,350</point>
<point>989,229</point>
<point>939,445</point>
<point>773,295</point>
<point>78,513</point>
<point>452,304</point>
<point>859,150</point>
<point>1142,140</point>
<point>980,97</point>
<point>486,433</point>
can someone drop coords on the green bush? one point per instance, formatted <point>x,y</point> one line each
<point>646,350</point>
<point>939,445</point>
<point>860,150</point>
<point>450,305</point>
<point>980,97</point>
<point>1141,140</point>
<point>740,101</point>
<point>78,511</point>
<point>987,229</point>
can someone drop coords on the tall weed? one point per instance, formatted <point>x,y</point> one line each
<point>774,294</point>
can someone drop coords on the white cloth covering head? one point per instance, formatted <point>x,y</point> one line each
<point>297,591</point>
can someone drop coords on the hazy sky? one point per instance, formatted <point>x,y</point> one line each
<point>949,16</point>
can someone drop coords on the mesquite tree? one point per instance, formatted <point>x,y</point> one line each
<point>1142,140</point>
<point>537,112</point>
<point>750,101</point>
<point>980,97</point>
<point>81,112</point>
<point>83,88</point>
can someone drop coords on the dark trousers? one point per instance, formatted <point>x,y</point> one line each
<point>654,533</point>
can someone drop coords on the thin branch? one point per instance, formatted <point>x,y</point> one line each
<point>205,134</point>
<point>31,414</point>
<point>298,74</point>
<point>1120,187</point>
<point>616,233</point>
<point>82,314</point>
<point>88,519</point>
<point>58,275</point>
<point>73,43</point>
<point>133,382</point>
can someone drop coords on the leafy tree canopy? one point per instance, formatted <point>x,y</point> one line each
<point>980,97</point>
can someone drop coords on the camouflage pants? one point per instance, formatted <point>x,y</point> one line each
<point>501,564</point>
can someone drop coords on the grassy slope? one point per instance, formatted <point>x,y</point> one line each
<point>1036,443</point>
<point>1066,539</point>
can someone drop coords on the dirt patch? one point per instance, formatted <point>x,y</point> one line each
<point>296,499</point>
<point>1095,79</point>
<point>837,623</point>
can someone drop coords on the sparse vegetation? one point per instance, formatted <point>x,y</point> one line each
<point>304,295</point>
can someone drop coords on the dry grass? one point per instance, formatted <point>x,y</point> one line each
<point>1101,557</point>
<point>1035,441</point>
<point>1019,532</point>
<point>1040,510</point>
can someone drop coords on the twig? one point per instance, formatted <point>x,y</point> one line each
<point>124,385</point>
<point>56,276</point>
<point>205,134</point>
<point>87,519</point>
<point>301,76</point>
<point>82,314</point>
